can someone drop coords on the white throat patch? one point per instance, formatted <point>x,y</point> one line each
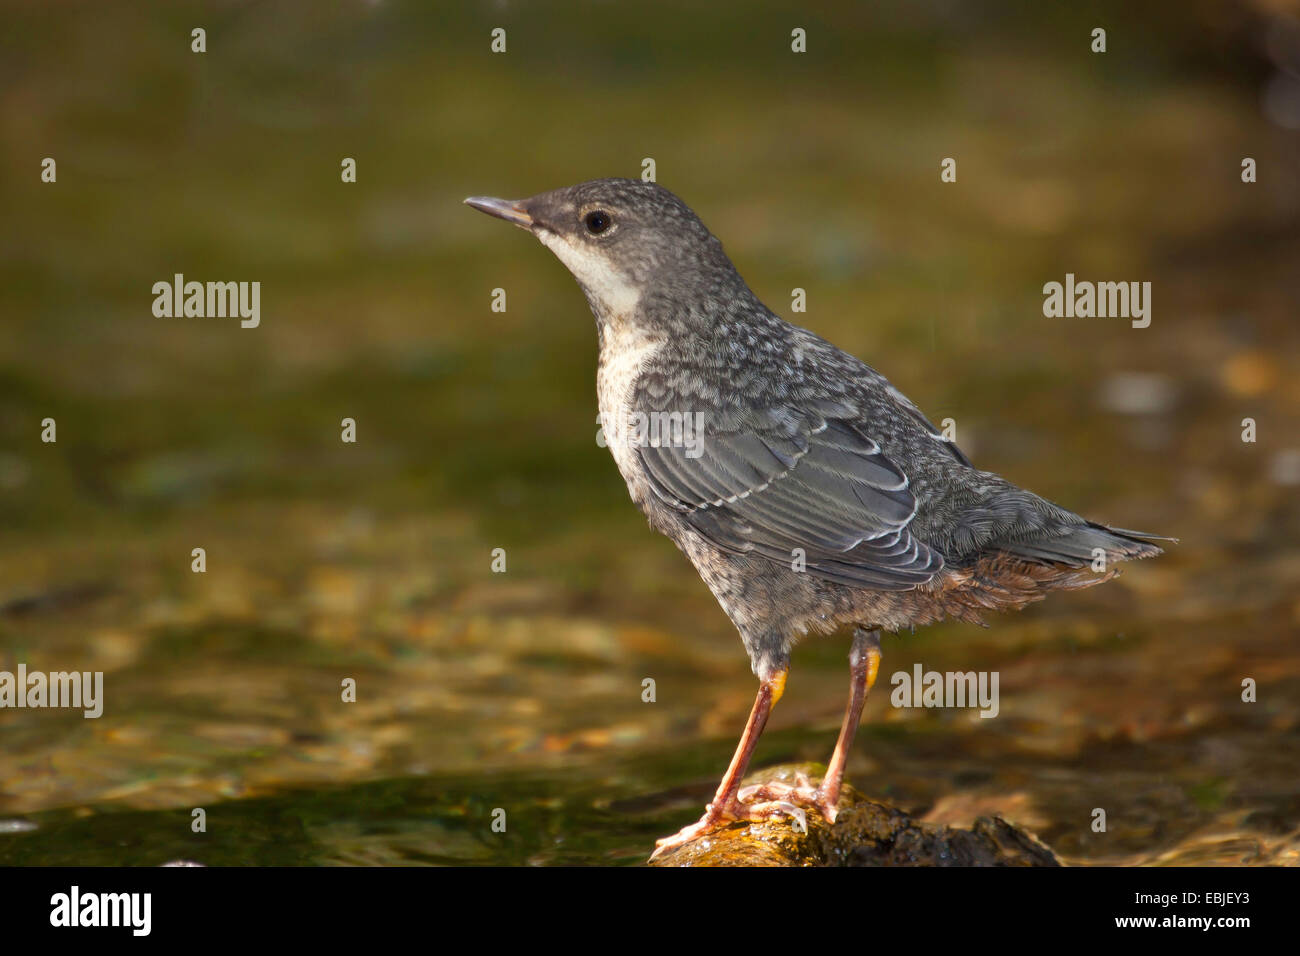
<point>610,287</point>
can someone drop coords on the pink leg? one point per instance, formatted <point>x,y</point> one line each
<point>864,663</point>
<point>724,808</point>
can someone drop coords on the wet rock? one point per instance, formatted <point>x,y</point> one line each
<point>866,833</point>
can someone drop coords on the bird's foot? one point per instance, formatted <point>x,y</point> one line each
<point>733,811</point>
<point>802,795</point>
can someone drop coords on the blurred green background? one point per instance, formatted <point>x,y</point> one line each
<point>476,429</point>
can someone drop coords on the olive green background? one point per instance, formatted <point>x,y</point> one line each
<point>476,429</point>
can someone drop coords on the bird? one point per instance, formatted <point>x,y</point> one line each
<point>809,493</point>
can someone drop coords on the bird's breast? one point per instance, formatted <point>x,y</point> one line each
<point>624,352</point>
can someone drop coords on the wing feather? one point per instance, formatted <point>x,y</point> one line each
<point>788,479</point>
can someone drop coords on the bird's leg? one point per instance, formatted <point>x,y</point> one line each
<point>724,807</point>
<point>864,663</point>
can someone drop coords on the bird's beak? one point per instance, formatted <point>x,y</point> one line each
<point>511,210</point>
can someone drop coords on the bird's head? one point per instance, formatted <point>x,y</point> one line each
<point>620,238</point>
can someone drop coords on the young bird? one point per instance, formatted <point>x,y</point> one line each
<point>817,495</point>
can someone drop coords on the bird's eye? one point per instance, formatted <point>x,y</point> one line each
<point>597,221</point>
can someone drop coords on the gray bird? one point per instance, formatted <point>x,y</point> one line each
<point>808,491</point>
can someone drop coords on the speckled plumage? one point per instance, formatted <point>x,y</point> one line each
<point>809,456</point>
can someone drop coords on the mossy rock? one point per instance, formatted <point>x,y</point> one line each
<point>865,833</point>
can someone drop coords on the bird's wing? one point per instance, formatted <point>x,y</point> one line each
<point>786,479</point>
<point>909,407</point>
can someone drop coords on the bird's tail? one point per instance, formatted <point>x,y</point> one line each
<point>1012,574</point>
<point>1088,544</point>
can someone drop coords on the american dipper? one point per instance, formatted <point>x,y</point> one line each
<point>815,494</point>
